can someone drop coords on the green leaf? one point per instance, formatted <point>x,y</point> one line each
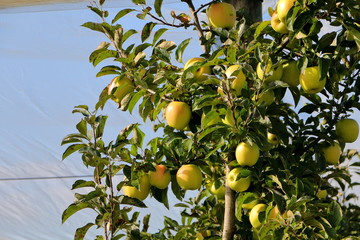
<point>73,208</point>
<point>101,120</point>
<point>94,26</point>
<point>83,183</point>
<point>324,65</point>
<point>308,108</point>
<point>161,196</point>
<point>81,232</point>
<point>157,6</point>
<point>180,49</point>
<point>122,13</point>
<point>326,40</point>
<point>131,201</point>
<point>334,213</point>
<point>99,55</point>
<point>260,28</point>
<point>137,2</point>
<point>82,127</point>
<point>279,200</point>
<point>71,149</point>
<point>128,34</point>
<point>158,34</point>
<point>146,31</point>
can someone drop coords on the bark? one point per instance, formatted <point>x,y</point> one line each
<point>229,216</point>
<point>252,10</point>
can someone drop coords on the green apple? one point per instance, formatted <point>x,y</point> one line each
<point>278,25</point>
<point>160,178</point>
<point>332,153</point>
<point>257,215</point>
<point>123,87</point>
<point>321,194</point>
<point>178,115</point>
<point>142,192</point>
<point>283,7</point>
<point>347,130</point>
<point>273,138</point>
<point>250,201</point>
<point>291,74</point>
<point>201,73</point>
<point>239,179</point>
<point>310,80</point>
<point>239,82</point>
<point>246,154</point>
<point>221,15</point>
<point>189,177</point>
<point>276,73</point>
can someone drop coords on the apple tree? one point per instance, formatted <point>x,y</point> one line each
<point>257,124</point>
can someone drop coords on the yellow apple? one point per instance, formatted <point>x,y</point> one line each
<point>321,194</point>
<point>272,138</point>
<point>332,153</point>
<point>276,73</point>
<point>310,80</point>
<point>283,7</point>
<point>178,115</point>
<point>347,130</point>
<point>189,177</point>
<point>219,192</point>
<point>274,213</point>
<point>123,87</point>
<point>142,192</point>
<point>256,220</point>
<point>246,154</point>
<point>278,25</point>
<point>160,178</point>
<point>250,201</point>
<point>239,82</point>
<point>201,73</point>
<point>291,74</point>
<point>221,15</point>
<point>236,181</point>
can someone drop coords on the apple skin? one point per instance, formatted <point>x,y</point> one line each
<point>278,25</point>
<point>254,214</point>
<point>246,154</point>
<point>221,15</point>
<point>160,178</point>
<point>240,185</point>
<point>251,201</point>
<point>189,177</point>
<point>310,80</point>
<point>347,130</point>
<point>283,7</point>
<point>239,82</point>
<point>201,73</point>
<point>332,153</point>
<point>273,138</point>
<point>291,74</point>
<point>321,194</point>
<point>178,115</point>
<point>142,192</point>
<point>276,75</point>
<point>124,86</point>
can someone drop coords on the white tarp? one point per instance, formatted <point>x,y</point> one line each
<point>44,73</point>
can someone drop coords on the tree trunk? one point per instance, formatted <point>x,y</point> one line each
<point>252,10</point>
